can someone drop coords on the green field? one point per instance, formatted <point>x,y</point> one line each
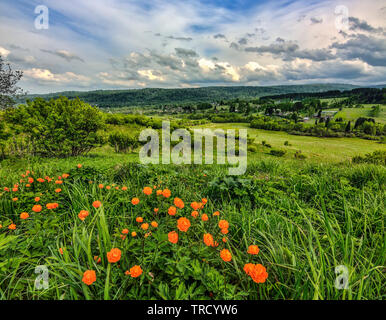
<point>317,149</point>
<point>352,114</point>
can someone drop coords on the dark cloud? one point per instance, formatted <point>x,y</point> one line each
<point>185,53</point>
<point>279,47</point>
<point>180,38</point>
<point>243,41</point>
<point>234,45</point>
<point>63,54</point>
<point>361,25</point>
<point>371,50</point>
<point>316,20</point>
<point>219,36</point>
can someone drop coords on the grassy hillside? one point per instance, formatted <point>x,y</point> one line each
<point>145,97</point>
<point>354,113</point>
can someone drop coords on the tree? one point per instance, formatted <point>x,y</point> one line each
<point>348,127</point>
<point>8,88</point>
<point>58,128</point>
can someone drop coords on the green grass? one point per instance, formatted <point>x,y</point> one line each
<point>351,114</point>
<point>316,149</point>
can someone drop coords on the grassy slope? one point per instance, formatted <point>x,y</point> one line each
<point>318,149</point>
<point>354,113</point>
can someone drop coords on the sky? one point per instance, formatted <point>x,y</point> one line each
<point>129,44</point>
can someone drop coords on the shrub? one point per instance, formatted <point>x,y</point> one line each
<point>299,155</point>
<point>59,127</point>
<point>252,148</point>
<point>123,142</point>
<point>377,157</point>
<point>277,152</point>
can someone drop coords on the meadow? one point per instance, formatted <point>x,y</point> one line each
<point>305,218</point>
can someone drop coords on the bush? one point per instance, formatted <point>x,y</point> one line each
<point>252,149</point>
<point>277,152</point>
<point>299,155</point>
<point>58,128</point>
<point>123,142</point>
<point>377,157</point>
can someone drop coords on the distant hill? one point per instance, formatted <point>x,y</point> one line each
<point>155,96</point>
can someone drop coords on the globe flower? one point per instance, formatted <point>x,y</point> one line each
<point>96,204</point>
<point>114,255</point>
<point>139,219</point>
<point>147,191</point>
<point>24,215</point>
<point>223,224</point>
<point>145,226</point>
<point>195,205</point>
<point>225,255</point>
<point>204,217</point>
<point>12,226</point>
<point>172,211</point>
<point>89,277</point>
<point>135,271</point>
<point>208,239</point>
<point>154,224</point>
<point>253,249</point>
<point>194,214</point>
<point>37,208</point>
<point>173,237</point>
<point>179,203</point>
<point>166,193</point>
<point>135,201</point>
<point>125,231</point>
<point>183,224</point>
<point>83,214</point>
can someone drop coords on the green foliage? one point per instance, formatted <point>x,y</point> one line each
<point>59,127</point>
<point>277,152</point>
<point>377,157</point>
<point>123,142</point>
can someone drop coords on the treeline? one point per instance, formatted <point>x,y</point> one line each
<point>159,97</point>
<point>355,96</point>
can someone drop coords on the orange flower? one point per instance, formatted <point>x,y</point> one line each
<point>147,191</point>
<point>154,224</point>
<point>89,276</point>
<point>37,199</point>
<point>96,204</point>
<point>1,226</point>
<point>204,217</point>
<point>216,213</point>
<point>223,224</point>
<point>194,214</point>
<point>127,272</point>
<point>79,166</point>
<point>51,206</point>
<point>204,200</point>
<point>65,175</point>
<point>124,188</point>
<point>83,214</point>
<point>114,255</point>
<point>224,239</point>
<point>208,239</point>
<point>108,187</point>
<point>12,226</point>
<point>30,180</point>
<point>224,231</point>
<point>24,215</point>
<point>135,201</point>
<point>258,273</point>
<point>58,190</point>
<point>97,259</point>
<point>135,271</point>
<point>37,208</point>
<point>159,192</point>
<point>14,199</point>
<point>253,249</point>
<point>125,231</point>
<point>195,205</point>
<point>225,255</point>
<point>61,251</point>
<point>166,193</point>
<point>156,210</point>
<point>123,237</point>
<point>133,234</point>
<point>173,237</point>
<point>139,219</point>
<point>100,186</point>
<point>248,268</point>
<point>183,224</point>
<point>172,211</point>
<point>58,182</point>
<point>179,203</point>
<point>145,226</point>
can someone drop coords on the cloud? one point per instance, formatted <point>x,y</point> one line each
<point>180,38</point>
<point>186,53</point>
<point>315,20</point>
<point>361,25</point>
<point>362,47</point>
<point>63,54</point>
<point>47,76</point>
<point>219,36</point>
<point>4,52</point>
